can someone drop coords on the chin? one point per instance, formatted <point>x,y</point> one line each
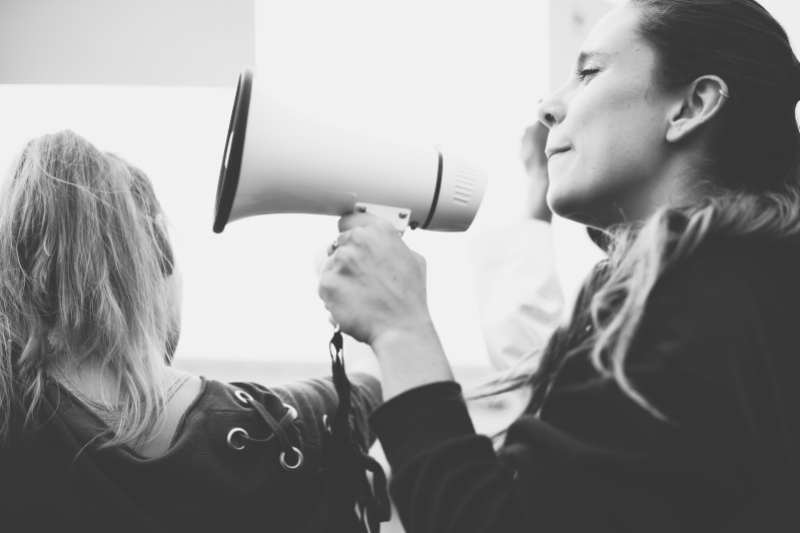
<point>599,208</point>
<point>571,206</point>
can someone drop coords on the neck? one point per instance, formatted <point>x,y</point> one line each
<point>674,185</point>
<point>92,380</point>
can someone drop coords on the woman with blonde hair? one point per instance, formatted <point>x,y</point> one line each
<point>98,432</point>
<point>670,400</point>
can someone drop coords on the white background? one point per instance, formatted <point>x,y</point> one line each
<point>463,74</point>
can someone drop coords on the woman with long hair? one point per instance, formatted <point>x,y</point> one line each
<point>670,400</point>
<point>98,432</point>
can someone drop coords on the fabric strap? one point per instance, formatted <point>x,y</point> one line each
<point>350,486</point>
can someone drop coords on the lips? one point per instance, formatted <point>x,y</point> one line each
<point>551,152</point>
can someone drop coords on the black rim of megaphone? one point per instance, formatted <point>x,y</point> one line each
<point>234,148</point>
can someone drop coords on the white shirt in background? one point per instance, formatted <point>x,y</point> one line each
<point>520,301</point>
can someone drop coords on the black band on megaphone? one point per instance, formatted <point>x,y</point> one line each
<point>232,158</point>
<point>435,192</point>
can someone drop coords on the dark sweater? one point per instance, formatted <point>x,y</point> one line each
<point>718,354</point>
<point>199,484</point>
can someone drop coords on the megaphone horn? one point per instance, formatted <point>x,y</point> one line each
<point>278,161</point>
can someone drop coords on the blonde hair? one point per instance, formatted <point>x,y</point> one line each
<point>642,256</point>
<point>85,258</point>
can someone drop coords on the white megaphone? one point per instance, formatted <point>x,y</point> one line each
<point>278,161</point>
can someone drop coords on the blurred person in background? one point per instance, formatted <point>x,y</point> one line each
<point>98,432</point>
<point>519,296</point>
<point>669,401</point>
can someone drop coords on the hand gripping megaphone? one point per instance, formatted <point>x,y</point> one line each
<point>278,161</point>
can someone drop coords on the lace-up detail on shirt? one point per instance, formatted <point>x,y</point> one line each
<point>291,458</point>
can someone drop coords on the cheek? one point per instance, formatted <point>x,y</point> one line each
<point>614,150</point>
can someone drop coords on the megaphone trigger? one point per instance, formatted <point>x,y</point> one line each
<point>397,216</point>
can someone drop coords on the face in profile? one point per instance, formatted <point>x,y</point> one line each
<point>607,148</point>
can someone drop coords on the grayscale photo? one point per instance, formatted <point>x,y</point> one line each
<point>430,266</point>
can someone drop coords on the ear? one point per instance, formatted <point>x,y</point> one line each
<point>700,102</point>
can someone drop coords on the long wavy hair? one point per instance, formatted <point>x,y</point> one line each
<point>749,187</point>
<point>86,266</point>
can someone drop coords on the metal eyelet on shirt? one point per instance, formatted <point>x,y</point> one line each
<point>295,466</point>
<point>292,411</point>
<point>243,397</point>
<point>289,417</point>
<point>232,433</point>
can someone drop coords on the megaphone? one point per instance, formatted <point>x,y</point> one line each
<point>278,161</point>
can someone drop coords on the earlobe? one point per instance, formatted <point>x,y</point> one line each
<point>701,102</point>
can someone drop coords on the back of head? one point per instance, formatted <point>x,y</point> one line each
<point>86,262</point>
<point>756,140</point>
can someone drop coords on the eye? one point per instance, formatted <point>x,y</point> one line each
<point>584,73</point>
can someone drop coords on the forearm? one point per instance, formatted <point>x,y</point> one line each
<point>410,359</point>
<point>446,478</point>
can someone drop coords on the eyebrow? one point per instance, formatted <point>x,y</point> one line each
<point>583,57</point>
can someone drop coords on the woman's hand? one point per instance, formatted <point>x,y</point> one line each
<point>374,287</point>
<point>372,282</point>
<point>532,147</point>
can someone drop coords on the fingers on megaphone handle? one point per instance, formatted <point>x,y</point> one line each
<point>354,220</point>
<point>337,242</point>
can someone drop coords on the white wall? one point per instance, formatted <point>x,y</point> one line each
<point>120,42</point>
<point>464,74</point>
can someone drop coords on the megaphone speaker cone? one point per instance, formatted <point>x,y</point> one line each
<point>278,160</point>
<point>234,149</point>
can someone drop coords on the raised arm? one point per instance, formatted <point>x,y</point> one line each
<point>594,459</point>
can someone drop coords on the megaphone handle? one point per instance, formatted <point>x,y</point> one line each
<point>397,216</point>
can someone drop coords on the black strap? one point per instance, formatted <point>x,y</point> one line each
<point>350,485</point>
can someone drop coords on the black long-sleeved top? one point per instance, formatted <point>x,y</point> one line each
<point>51,479</point>
<point>718,353</point>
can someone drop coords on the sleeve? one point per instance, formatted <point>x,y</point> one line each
<point>594,460</point>
<point>519,296</point>
<point>315,398</point>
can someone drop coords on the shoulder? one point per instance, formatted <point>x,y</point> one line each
<point>721,314</point>
<point>312,397</point>
<point>728,274</point>
<point>722,259</point>
<point>321,390</point>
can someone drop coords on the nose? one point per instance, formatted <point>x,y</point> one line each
<point>552,110</point>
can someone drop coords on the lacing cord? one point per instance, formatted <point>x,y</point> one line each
<point>278,432</point>
<point>350,462</point>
